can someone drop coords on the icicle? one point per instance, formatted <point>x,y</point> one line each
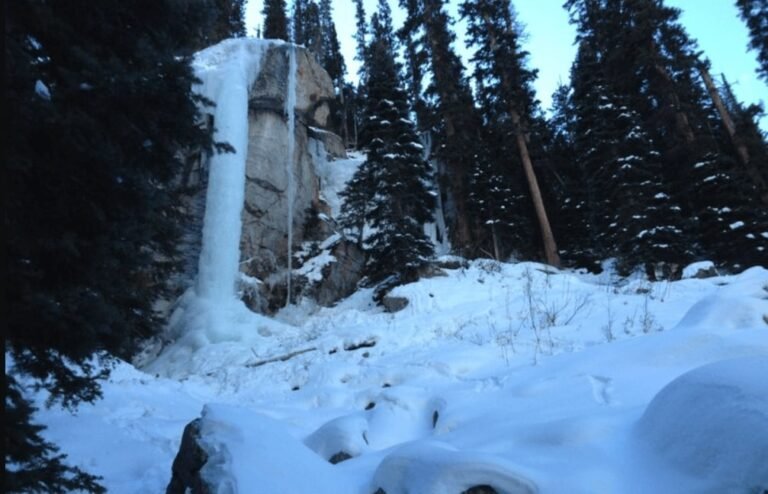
<point>290,110</point>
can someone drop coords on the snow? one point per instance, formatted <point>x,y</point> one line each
<point>518,376</point>
<point>334,175</point>
<point>693,269</point>
<point>42,90</point>
<point>712,425</point>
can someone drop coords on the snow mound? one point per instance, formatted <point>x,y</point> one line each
<point>693,270</point>
<point>249,452</point>
<point>432,467</point>
<point>740,304</point>
<point>343,435</point>
<point>712,423</point>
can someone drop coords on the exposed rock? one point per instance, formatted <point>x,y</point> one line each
<point>340,278</point>
<point>394,304</point>
<point>480,489</point>
<point>700,270</point>
<point>451,262</point>
<point>334,145</point>
<point>264,240</point>
<point>314,88</point>
<point>339,457</point>
<point>191,458</point>
<point>431,271</point>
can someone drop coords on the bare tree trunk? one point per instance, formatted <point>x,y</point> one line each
<point>741,149</point>
<point>738,142</point>
<point>547,237</point>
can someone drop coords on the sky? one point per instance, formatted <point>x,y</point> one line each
<point>721,34</point>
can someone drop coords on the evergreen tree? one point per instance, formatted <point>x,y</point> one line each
<point>650,69</point>
<point>748,134</point>
<point>32,464</point>
<point>505,89</point>
<point>755,14</point>
<point>313,30</point>
<point>330,57</point>
<point>230,21</point>
<point>454,123</point>
<point>412,37</point>
<point>299,21</point>
<point>100,124</point>
<point>275,20</point>
<point>361,34</point>
<point>399,201</point>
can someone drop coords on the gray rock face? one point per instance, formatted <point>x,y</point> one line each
<point>264,240</point>
<point>340,278</point>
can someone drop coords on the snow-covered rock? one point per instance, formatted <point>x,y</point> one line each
<point>712,424</point>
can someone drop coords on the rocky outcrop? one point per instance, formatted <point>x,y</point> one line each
<point>340,278</point>
<point>264,241</point>
<point>189,462</point>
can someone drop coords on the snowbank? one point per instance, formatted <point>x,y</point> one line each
<point>712,424</point>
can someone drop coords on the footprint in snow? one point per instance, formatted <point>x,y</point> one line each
<point>602,389</point>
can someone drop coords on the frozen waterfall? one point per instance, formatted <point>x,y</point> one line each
<point>227,71</point>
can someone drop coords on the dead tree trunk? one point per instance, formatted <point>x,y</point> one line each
<point>741,148</point>
<point>547,237</point>
<point>738,142</point>
<point>522,138</point>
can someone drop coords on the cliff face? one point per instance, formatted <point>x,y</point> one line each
<point>264,241</point>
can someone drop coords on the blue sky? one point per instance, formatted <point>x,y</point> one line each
<point>713,23</point>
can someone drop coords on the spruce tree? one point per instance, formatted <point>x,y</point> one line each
<point>454,121</point>
<point>100,124</point>
<point>33,464</point>
<point>505,90</point>
<point>275,20</point>
<point>361,33</point>
<point>299,21</point>
<point>623,92</point>
<point>755,14</point>
<point>400,200</point>
<point>230,22</point>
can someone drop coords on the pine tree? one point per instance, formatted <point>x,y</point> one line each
<point>505,87</point>
<point>330,57</point>
<point>400,200</point>
<point>230,22</point>
<point>361,33</point>
<point>411,36</point>
<point>299,21</point>
<point>33,464</point>
<point>454,121</point>
<point>101,123</point>
<point>755,14</point>
<point>275,20</point>
<point>313,30</point>
<point>651,69</point>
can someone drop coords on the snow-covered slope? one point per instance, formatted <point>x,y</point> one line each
<point>509,375</point>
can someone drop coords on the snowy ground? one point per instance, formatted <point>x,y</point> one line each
<point>513,376</point>
<point>498,374</point>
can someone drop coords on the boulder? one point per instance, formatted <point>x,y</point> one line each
<point>186,476</point>
<point>340,278</point>
<point>333,144</point>
<point>394,304</point>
